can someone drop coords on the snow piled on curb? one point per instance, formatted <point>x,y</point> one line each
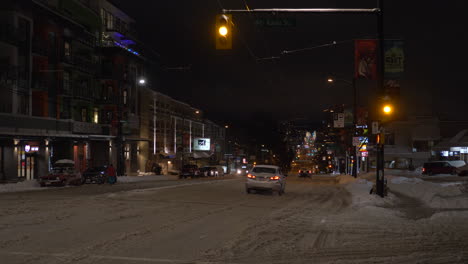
<point>437,195</point>
<point>21,186</point>
<point>141,178</point>
<point>362,200</point>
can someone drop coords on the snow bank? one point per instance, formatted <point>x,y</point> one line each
<point>21,186</point>
<point>434,194</point>
<point>141,178</point>
<point>363,201</point>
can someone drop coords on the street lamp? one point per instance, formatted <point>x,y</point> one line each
<point>353,84</point>
<point>387,109</point>
<point>142,81</point>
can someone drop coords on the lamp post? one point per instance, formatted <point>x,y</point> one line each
<point>353,84</point>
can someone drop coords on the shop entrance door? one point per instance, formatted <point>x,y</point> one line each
<point>27,166</point>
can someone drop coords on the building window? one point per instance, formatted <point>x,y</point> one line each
<point>125,97</point>
<point>110,21</point>
<point>83,114</point>
<point>96,116</point>
<point>421,146</point>
<point>66,83</point>
<point>67,50</point>
<point>127,151</point>
<point>389,139</point>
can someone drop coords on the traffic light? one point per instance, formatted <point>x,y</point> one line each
<point>224,32</point>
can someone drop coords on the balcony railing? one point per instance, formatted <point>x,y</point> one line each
<point>9,34</point>
<point>40,85</point>
<point>10,73</point>
<point>81,63</point>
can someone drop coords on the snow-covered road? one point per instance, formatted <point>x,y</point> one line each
<point>207,221</point>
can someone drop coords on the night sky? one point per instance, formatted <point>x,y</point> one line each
<point>233,85</point>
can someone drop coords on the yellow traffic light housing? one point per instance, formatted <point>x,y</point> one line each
<point>224,31</point>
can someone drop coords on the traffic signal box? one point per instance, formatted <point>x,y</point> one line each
<point>224,31</point>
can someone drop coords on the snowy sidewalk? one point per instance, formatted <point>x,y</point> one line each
<point>441,197</point>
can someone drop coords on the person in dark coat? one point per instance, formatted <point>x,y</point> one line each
<point>111,176</point>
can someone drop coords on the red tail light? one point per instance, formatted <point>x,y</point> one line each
<point>275,178</point>
<point>424,170</point>
<point>310,171</point>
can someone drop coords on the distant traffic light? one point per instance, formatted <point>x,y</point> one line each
<point>224,32</point>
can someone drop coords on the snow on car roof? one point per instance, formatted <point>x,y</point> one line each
<point>267,166</point>
<point>64,161</point>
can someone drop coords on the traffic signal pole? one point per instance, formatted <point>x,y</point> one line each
<point>355,152</point>
<point>380,177</point>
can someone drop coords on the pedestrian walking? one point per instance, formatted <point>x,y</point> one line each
<point>111,176</point>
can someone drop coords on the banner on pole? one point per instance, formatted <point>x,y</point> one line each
<point>365,57</point>
<point>394,59</point>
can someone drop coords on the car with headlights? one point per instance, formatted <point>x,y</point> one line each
<point>212,171</point>
<point>242,170</point>
<point>94,175</point>
<point>266,177</point>
<point>63,173</point>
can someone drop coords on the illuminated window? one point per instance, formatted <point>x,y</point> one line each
<point>125,97</point>
<point>96,116</point>
<point>127,151</point>
<point>67,50</point>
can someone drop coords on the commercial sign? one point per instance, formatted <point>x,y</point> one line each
<point>202,144</point>
<point>338,120</point>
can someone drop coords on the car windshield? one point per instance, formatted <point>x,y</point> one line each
<point>264,170</point>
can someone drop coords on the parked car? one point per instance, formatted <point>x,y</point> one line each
<point>63,173</point>
<point>220,169</point>
<point>243,170</point>
<point>266,177</point>
<point>189,171</point>
<point>304,172</point>
<point>94,175</point>
<point>213,171</point>
<point>439,167</point>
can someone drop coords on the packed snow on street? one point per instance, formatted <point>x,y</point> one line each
<point>331,220</point>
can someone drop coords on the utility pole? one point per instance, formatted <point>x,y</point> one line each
<point>380,178</point>
<point>355,164</point>
<point>120,139</point>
